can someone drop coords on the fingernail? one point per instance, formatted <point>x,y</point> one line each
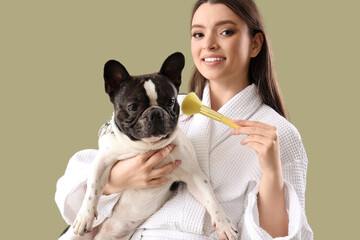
<point>239,122</point>
<point>177,162</point>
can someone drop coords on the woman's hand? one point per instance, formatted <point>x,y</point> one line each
<point>138,172</point>
<point>264,140</point>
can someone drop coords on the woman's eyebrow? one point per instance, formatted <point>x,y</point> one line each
<point>216,24</point>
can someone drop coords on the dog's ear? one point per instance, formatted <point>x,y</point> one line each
<point>172,68</point>
<point>114,74</point>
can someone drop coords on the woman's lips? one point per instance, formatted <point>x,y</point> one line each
<point>212,61</point>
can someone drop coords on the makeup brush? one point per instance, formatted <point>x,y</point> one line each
<point>192,105</point>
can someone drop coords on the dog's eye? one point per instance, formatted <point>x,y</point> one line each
<point>171,102</point>
<point>133,107</point>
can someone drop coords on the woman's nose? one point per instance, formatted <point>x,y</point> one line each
<point>210,42</point>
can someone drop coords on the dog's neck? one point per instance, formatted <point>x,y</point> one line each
<point>141,146</point>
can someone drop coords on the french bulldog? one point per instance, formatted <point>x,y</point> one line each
<point>145,117</point>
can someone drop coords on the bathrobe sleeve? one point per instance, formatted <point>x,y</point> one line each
<point>294,167</point>
<point>71,188</point>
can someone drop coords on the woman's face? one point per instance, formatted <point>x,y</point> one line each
<point>220,44</point>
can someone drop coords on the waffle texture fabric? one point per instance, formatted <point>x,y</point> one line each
<point>233,169</point>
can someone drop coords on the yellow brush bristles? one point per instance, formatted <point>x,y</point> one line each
<point>191,104</point>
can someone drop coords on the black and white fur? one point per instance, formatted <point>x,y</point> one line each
<point>145,117</point>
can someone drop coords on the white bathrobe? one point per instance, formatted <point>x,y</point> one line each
<point>233,169</point>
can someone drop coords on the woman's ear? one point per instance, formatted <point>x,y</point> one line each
<point>257,43</point>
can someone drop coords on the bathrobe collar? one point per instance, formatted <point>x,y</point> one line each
<point>205,133</point>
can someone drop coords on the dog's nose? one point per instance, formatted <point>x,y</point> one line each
<point>155,115</point>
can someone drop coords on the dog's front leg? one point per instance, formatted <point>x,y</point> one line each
<point>98,177</point>
<point>199,186</point>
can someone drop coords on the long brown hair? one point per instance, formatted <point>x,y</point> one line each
<point>261,69</point>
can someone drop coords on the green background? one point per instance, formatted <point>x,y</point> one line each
<point>53,102</point>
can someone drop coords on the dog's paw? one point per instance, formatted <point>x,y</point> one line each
<point>225,230</point>
<point>84,221</point>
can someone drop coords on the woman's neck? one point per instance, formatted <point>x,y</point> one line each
<point>221,93</point>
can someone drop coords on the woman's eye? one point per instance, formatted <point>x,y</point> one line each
<point>227,33</point>
<point>133,107</point>
<point>197,35</point>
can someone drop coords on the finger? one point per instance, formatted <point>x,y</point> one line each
<point>158,156</point>
<point>256,146</point>
<point>259,143</point>
<point>254,138</point>
<point>145,156</point>
<point>157,182</point>
<point>253,131</point>
<point>248,123</point>
<point>165,170</point>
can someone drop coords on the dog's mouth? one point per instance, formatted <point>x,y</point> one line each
<point>146,129</point>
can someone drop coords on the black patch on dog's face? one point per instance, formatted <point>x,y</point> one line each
<point>134,114</point>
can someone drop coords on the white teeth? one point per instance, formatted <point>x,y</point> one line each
<point>213,59</point>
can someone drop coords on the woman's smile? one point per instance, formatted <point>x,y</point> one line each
<point>213,60</point>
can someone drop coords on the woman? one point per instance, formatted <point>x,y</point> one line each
<point>258,172</point>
